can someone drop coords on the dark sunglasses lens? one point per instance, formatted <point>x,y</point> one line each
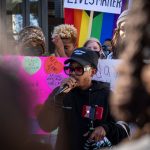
<point>77,70</point>
<point>67,70</point>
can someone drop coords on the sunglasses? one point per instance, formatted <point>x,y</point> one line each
<point>79,70</point>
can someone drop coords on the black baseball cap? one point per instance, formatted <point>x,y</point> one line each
<point>84,57</point>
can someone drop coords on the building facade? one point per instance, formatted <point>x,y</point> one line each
<point>16,14</point>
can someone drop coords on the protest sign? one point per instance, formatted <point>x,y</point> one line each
<point>109,6</point>
<point>107,71</point>
<point>46,73</point>
<point>43,74</point>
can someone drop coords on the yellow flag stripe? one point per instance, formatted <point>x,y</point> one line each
<point>84,28</point>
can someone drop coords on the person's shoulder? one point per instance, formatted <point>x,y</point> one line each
<point>101,85</point>
<point>105,85</point>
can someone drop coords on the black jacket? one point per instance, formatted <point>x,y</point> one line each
<point>65,111</point>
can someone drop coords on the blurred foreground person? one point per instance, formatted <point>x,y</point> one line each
<point>79,107</point>
<point>31,41</point>
<point>13,112</point>
<point>64,38</point>
<point>14,117</point>
<point>131,98</point>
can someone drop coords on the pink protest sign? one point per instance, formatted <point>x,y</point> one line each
<point>43,74</point>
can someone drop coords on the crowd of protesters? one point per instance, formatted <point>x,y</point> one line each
<point>86,113</point>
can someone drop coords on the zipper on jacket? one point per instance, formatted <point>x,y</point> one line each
<point>90,97</point>
<point>91,121</point>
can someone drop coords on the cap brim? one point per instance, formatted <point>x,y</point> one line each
<point>78,60</point>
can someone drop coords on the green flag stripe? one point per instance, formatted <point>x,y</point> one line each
<point>97,26</point>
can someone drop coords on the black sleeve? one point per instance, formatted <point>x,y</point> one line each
<point>51,113</point>
<point>115,132</point>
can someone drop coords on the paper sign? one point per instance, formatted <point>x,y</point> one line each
<point>107,71</point>
<point>108,6</point>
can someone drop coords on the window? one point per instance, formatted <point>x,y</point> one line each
<point>16,14</point>
<point>34,13</point>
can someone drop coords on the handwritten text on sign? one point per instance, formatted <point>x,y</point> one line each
<point>107,71</point>
<point>109,6</point>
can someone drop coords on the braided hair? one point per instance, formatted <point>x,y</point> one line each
<point>31,34</point>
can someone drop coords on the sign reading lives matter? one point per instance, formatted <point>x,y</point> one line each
<point>108,6</point>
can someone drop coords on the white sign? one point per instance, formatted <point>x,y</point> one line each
<point>107,71</point>
<point>109,6</point>
<point>130,4</point>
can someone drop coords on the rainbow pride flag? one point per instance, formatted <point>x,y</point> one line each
<point>103,24</point>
